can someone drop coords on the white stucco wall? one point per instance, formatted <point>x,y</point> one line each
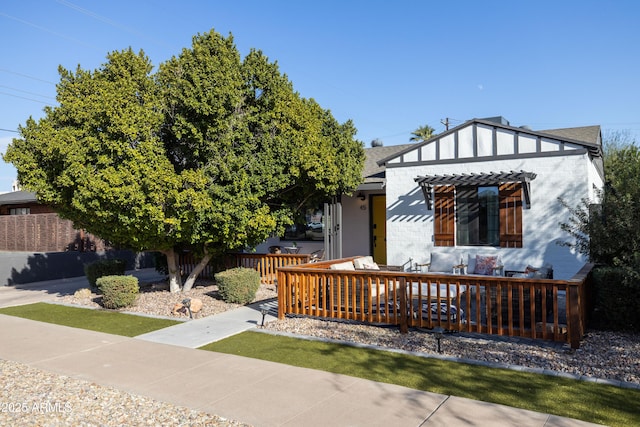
<point>355,226</point>
<point>410,225</point>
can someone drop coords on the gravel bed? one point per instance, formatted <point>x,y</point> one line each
<point>52,400</point>
<point>33,397</point>
<point>602,355</point>
<point>156,300</point>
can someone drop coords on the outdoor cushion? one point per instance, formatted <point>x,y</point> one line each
<point>443,263</point>
<point>471,263</point>
<point>372,266</point>
<point>485,264</point>
<point>360,262</point>
<point>348,265</point>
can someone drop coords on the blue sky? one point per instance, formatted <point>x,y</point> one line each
<point>391,67</point>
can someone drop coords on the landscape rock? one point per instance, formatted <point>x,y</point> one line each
<point>196,305</point>
<point>83,293</point>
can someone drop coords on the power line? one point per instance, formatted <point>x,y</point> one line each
<point>111,22</point>
<point>28,99</point>
<point>27,92</point>
<point>4,70</point>
<point>9,130</point>
<point>31,24</point>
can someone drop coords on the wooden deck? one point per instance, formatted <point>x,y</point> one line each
<point>533,308</point>
<point>543,309</point>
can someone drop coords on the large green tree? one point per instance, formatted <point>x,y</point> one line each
<point>211,153</point>
<point>606,229</point>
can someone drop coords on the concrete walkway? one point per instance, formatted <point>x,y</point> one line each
<point>198,332</point>
<point>165,365</point>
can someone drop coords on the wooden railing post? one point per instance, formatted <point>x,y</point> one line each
<point>404,321</point>
<point>281,288</point>
<point>573,316</point>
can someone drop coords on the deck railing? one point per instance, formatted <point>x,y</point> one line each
<point>525,307</point>
<point>265,264</point>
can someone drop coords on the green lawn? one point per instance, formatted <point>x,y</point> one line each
<point>596,403</point>
<point>110,322</point>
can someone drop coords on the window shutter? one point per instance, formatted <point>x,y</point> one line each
<point>510,215</point>
<point>444,216</point>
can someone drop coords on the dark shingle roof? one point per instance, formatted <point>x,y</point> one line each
<point>17,197</point>
<point>588,134</point>
<point>373,172</point>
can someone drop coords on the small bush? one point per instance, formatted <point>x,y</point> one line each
<point>118,291</point>
<point>104,267</point>
<point>238,285</point>
<point>617,299</point>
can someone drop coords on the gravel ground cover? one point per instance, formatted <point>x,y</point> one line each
<point>58,400</point>
<point>33,397</point>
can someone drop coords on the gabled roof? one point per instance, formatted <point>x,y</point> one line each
<point>17,197</point>
<point>589,137</point>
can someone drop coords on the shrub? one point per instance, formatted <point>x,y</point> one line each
<point>238,285</point>
<point>118,291</point>
<point>104,267</point>
<point>617,294</point>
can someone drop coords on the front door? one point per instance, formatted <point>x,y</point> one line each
<point>379,228</point>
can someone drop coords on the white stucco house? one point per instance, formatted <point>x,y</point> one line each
<point>484,187</point>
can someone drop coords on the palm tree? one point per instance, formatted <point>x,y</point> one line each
<point>422,133</point>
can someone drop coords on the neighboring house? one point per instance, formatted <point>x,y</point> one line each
<point>29,226</point>
<point>21,203</point>
<point>487,187</point>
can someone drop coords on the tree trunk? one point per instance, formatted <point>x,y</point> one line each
<point>175,280</point>
<point>188,284</point>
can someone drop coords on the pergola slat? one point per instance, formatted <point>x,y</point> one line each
<point>429,181</point>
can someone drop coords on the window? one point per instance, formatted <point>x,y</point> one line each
<point>19,211</point>
<point>478,216</point>
<point>488,215</point>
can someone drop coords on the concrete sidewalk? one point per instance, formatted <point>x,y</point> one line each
<point>166,366</point>
<point>249,390</point>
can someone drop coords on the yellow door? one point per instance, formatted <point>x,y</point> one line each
<point>379,228</point>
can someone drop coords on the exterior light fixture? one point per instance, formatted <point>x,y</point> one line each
<point>264,310</point>
<point>439,333</point>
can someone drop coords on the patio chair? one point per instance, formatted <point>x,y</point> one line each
<point>317,255</point>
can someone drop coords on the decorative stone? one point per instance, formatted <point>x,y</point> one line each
<point>196,305</point>
<point>178,308</point>
<point>83,293</point>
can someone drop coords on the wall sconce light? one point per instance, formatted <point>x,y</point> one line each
<point>362,197</point>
